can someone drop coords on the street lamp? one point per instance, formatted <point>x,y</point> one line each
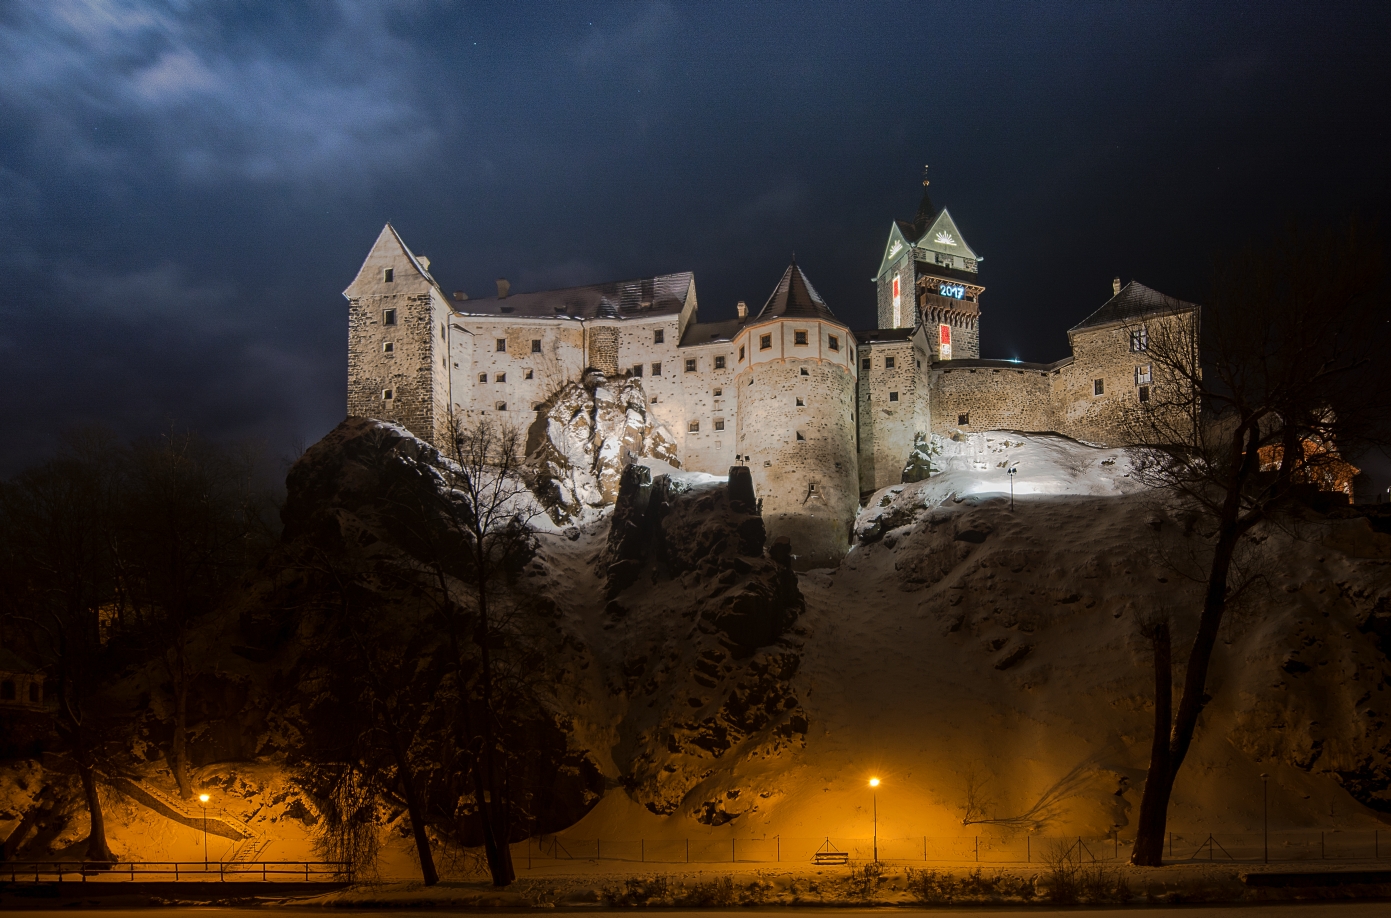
<point>1011,470</point>
<point>203,799</point>
<point>874,796</point>
<point>1265,816</point>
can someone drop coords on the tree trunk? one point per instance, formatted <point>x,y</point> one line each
<point>1154,807</point>
<point>417,815</point>
<point>492,805</point>
<point>178,751</point>
<point>97,849</point>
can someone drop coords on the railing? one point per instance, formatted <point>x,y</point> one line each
<point>261,871</point>
<point>1232,847</point>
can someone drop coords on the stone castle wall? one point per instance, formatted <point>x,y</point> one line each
<point>991,398</point>
<point>396,385</point>
<point>803,456</point>
<point>893,409</point>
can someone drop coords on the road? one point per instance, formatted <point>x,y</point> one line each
<point>1295,910</point>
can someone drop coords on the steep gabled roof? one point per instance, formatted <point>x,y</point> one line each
<point>794,297</point>
<point>389,251</point>
<point>900,240</point>
<point>663,295</point>
<point>943,236</point>
<point>1133,302</point>
<point>10,662</point>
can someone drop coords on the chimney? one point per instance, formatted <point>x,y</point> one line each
<point>424,262</point>
<point>742,309</point>
<point>503,286</point>
<point>1116,287</point>
<point>460,295</point>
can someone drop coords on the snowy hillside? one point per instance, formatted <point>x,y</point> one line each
<point>987,664</point>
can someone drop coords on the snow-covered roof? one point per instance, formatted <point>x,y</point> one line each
<point>1134,301</point>
<point>640,298</point>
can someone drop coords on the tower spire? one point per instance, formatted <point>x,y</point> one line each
<point>925,209</point>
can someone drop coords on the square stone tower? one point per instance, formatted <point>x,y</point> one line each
<point>398,366</point>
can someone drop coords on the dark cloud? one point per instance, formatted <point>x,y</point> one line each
<point>186,187</point>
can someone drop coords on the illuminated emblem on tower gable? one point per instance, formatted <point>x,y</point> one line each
<point>945,238</point>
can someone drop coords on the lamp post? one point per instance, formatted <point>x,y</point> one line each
<point>203,799</point>
<point>1265,817</point>
<point>1011,470</point>
<point>874,796</point>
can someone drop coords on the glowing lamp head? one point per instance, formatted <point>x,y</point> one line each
<point>203,798</point>
<point>873,782</point>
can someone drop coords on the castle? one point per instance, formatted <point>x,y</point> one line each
<point>820,414</point>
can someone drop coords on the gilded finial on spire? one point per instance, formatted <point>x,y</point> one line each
<point>925,181</point>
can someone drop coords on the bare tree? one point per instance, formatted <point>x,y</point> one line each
<point>191,520</point>
<point>56,520</point>
<point>1285,369</point>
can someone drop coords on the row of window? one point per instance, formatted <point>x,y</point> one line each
<point>694,426</point>
<point>866,363</point>
<point>8,692</point>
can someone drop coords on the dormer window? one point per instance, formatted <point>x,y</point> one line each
<point>388,275</point>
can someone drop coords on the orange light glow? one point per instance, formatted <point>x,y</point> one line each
<point>873,782</point>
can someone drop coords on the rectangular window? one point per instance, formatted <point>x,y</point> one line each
<point>799,436</point>
<point>800,403</point>
<point>741,352</point>
<point>388,275</point>
<point>530,374</point>
<point>888,363</point>
<point>501,406</point>
<point>388,347</point>
<point>799,337</point>
<point>482,377</point>
<point>1144,393</point>
<point>693,427</point>
<point>719,424</point>
<point>659,336</point>
<point>719,363</point>
<point>719,392</point>
<point>387,394</point>
<point>765,342</point>
<point>501,345</point>
<point>1098,387</point>
<point>388,317</point>
<point>864,364</point>
<point>804,372</point>
<point>1140,340</point>
<point>833,342</point>
<point>963,420</point>
<point>536,345</point>
<point>657,369</point>
<point>501,377</point>
<point>442,336</point>
<point>893,396</point>
<point>637,370</point>
<point>690,364</point>
<point>1142,375</point>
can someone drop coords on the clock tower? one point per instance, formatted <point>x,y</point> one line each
<point>929,276</point>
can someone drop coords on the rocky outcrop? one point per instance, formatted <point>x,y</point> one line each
<point>584,437</point>
<point>690,560</point>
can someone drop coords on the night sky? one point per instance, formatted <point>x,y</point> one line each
<point>187,189</point>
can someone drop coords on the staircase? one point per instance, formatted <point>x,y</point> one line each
<point>217,822</point>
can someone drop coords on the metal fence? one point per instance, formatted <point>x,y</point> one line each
<point>1235,847</point>
<point>130,871</point>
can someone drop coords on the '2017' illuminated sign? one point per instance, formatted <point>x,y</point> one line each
<point>956,291</point>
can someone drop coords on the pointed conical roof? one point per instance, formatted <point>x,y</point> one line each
<point>926,212</point>
<point>795,297</point>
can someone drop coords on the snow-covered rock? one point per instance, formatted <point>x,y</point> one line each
<point>585,435</point>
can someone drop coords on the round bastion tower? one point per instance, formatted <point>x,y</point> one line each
<point>796,420</point>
